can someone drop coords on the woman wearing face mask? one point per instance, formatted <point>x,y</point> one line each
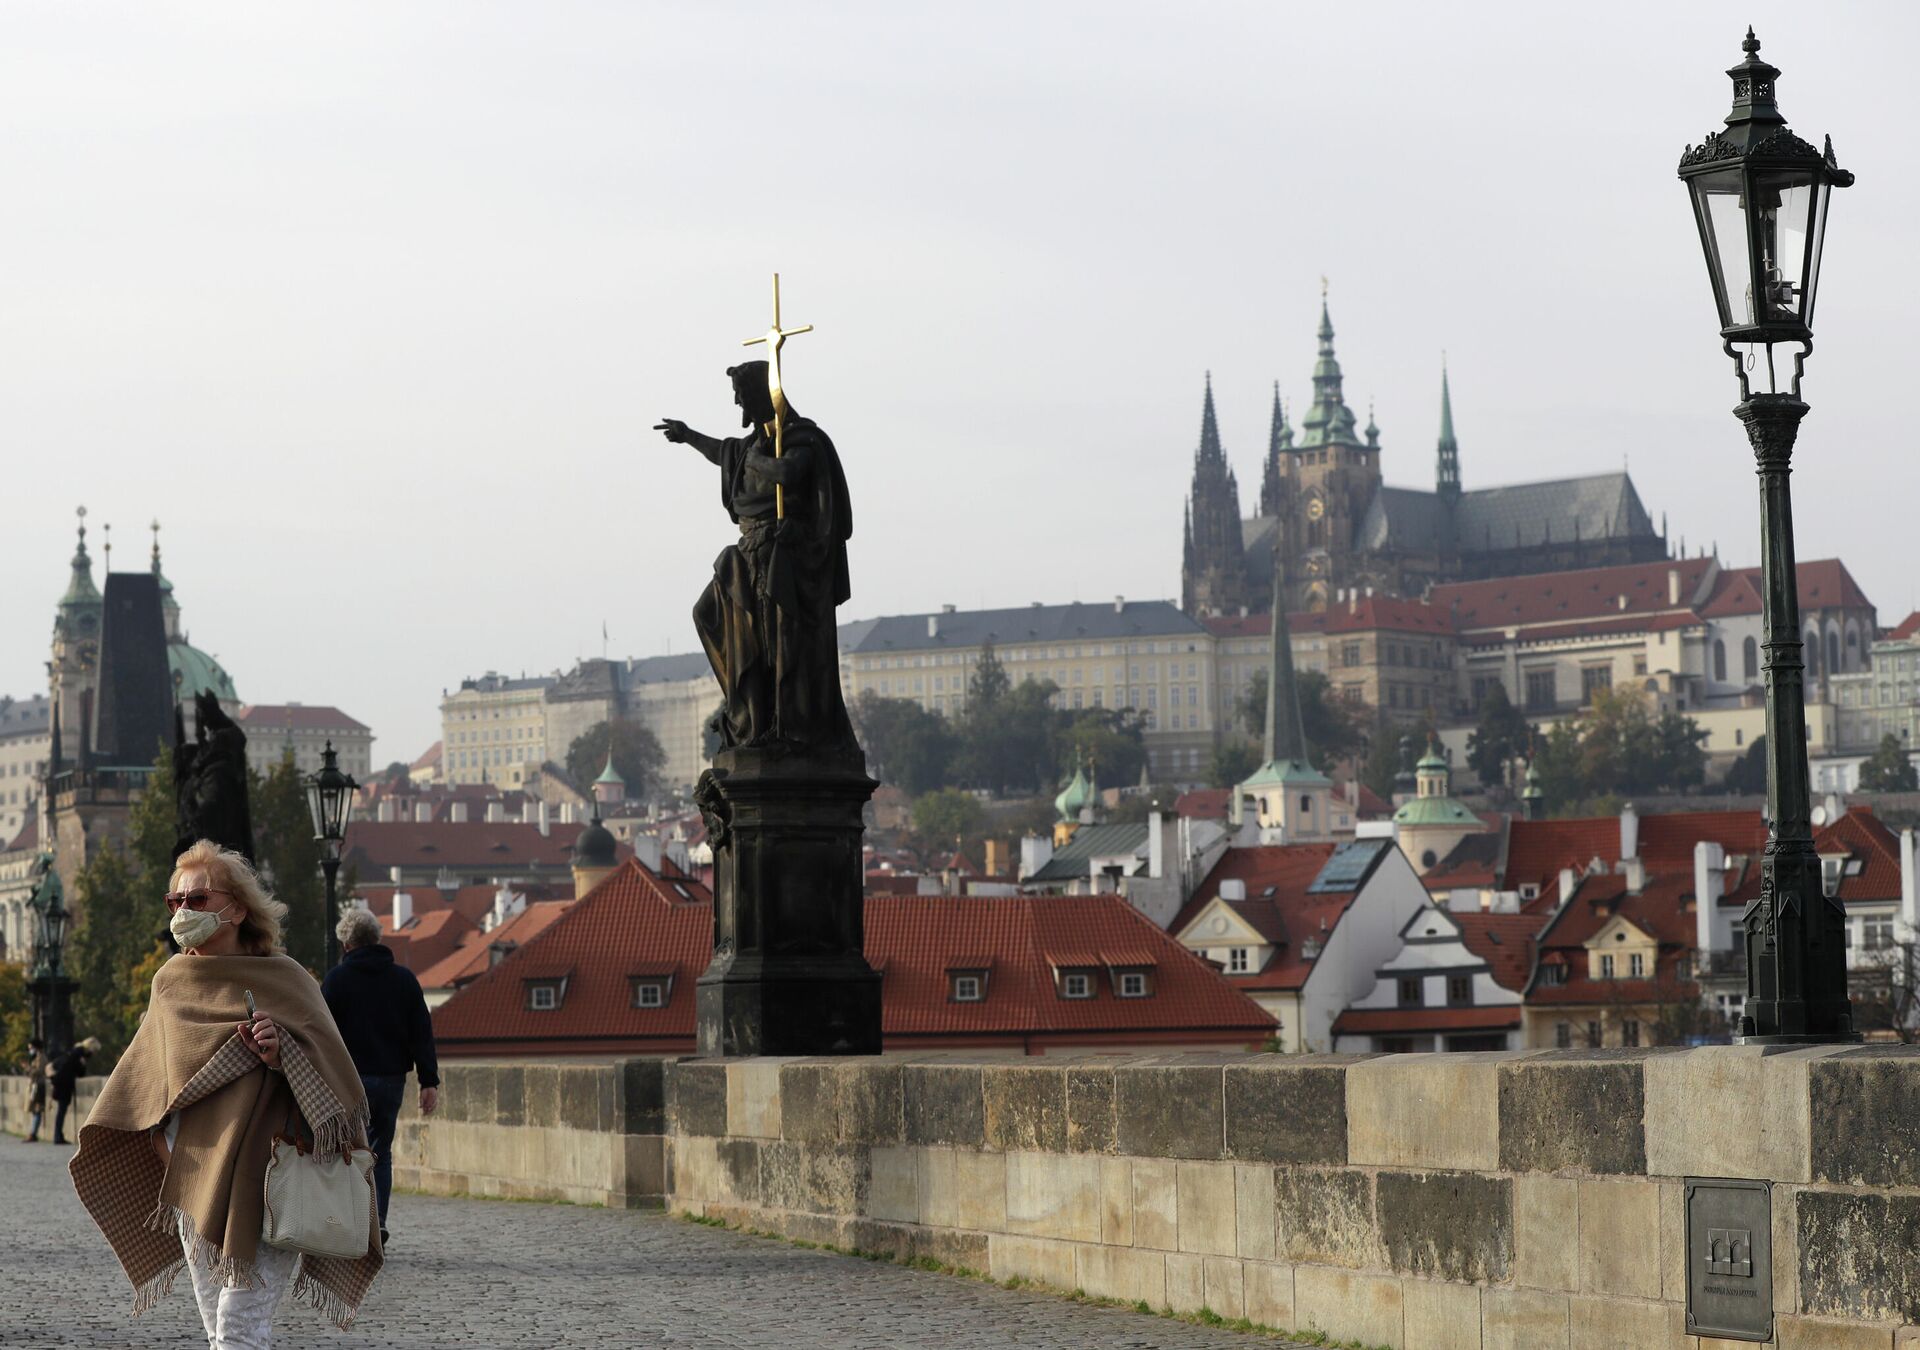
<point>173,1157</point>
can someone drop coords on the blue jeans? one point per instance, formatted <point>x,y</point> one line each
<point>385,1091</point>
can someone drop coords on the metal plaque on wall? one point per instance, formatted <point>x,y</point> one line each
<point>1729,1259</point>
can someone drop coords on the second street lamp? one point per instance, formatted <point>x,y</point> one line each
<point>1760,203</point>
<point>330,796</point>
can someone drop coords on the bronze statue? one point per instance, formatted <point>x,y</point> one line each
<point>210,779</point>
<point>767,618</point>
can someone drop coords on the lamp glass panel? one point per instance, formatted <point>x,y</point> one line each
<point>1782,215</point>
<point>1727,231</point>
<point>316,805</point>
<point>1820,194</point>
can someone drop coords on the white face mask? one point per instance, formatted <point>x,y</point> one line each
<point>191,927</point>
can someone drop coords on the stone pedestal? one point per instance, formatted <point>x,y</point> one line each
<point>789,974</point>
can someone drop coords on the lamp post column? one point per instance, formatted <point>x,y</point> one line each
<point>1796,955</point>
<point>330,864</point>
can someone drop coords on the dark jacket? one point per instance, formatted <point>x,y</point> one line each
<point>382,1015</point>
<point>66,1070</point>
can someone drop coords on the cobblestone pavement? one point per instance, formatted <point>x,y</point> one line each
<point>486,1273</point>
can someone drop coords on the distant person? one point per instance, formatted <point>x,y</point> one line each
<point>383,1019</point>
<point>34,1066</point>
<point>236,1048</point>
<point>67,1071</point>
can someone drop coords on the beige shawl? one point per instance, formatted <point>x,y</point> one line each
<point>188,1058</point>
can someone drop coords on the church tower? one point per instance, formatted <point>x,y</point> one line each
<point>1214,573</point>
<point>1335,476</point>
<point>1447,475</point>
<point>1291,800</point>
<point>1273,493</point>
<point>74,667</point>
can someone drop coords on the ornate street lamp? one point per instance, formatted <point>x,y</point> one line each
<point>52,990</point>
<point>330,797</point>
<point>1760,201</point>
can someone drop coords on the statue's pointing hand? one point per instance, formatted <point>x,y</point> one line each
<point>676,431</point>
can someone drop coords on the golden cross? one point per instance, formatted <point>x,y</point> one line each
<point>775,337</point>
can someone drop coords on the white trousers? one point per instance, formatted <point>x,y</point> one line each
<point>242,1319</point>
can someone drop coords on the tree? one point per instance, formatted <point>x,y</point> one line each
<point>1556,759</point>
<point>989,682</point>
<point>1501,737</point>
<point>906,745</point>
<point>1889,769</point>
<point>945,820</point>
<point>1108,738</point>
<point>1006,735</point>
<point>287,857</point>
<point>637,756</point>
<point>1234,763</point>
<point>1886,991</point>
<point>1332,730</point>
<point>1384,759</point>
<point>1747,775</point>
<point>16,1015</point>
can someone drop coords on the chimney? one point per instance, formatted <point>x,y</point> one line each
<point>1156,846</point>
<point>393,874</point>
<point>402,910</point>
<point>1353,601</point>
<point>457,813</point>
<point>646,847</point>
<point>566,813</point>
<point>385,812</point>
<point>1709,884</point>
<point>422,813</point>
<point>933,625</point>
<point>1233,888</point>
<point>1629,833</point>
<point>496,813</point>
<point>1568,880</point>
<point>1636,870</point>
<point>1119,604</point>
<point>1909,886</point>
<point>1673,584</point>
<point>1036,851</point>
<point>546,821</point>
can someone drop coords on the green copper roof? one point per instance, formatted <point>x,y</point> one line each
<point>1448,475</point>
<point>1286,773</point>
<point>1075,797</point>
<point>1434,811</point>
<point>193,670</point>
<point>1329,421</point>
<point>610,774</point>
<point>80,587</point>
<point>1432,761</point>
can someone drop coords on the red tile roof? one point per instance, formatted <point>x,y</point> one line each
<point>1825,583</point>
<point>1660,910</point>
<point>1387,1021</point>
<point>1286,918</point>
<point>1204,804</point>
<point>467,847</point>
<point>475,901</point>
<point>634,923</point>
<point>428,938</point>
<point>1907,627</point>
<point>1029,938</point>
<point>1558,597</point>
<point>1504,941</point>
<point>430,759</point>
<point>474,956</point>
<point>296,717</point>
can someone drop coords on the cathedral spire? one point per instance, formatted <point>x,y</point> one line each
<point>1448,480</point>
<point>1209,428</point>
<point>1279,441</point>
<point>1329,421</point>
<point>1214,578</point>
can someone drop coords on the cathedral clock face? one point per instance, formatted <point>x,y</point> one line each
<point>1315,508</point>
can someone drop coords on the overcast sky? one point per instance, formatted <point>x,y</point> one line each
<point>372,305</point>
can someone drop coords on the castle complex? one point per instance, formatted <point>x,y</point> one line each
<point>1345,529</point>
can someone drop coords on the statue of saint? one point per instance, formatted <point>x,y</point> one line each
<point>767,618</point>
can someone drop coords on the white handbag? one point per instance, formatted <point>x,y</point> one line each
<point>318,1206</point>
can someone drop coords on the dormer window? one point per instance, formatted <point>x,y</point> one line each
<point>1553,973</point>
<point>1133,984</point>
<point>545,995</point>
<point>649,991</point>
<point>1076,984</point>
<point>1239,961</point>
<point>969,988</point>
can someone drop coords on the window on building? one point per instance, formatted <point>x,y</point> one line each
<point>1594,680</point>
<point>649,993</point>
<point>1876,932</point>
<point>1349,653</point>
<point>1593,1035</point>
<point>1636,965</point>
<point>1719,661</point>
<point>1133,984</point>
<point>1076,985</point>
<point>1750,659</point>
<point>1541,694</point>
<point>1411,995</point>
<point>1606,966</point>
<point>971,989</point>
<point>543,995</point>
<point>1639,663</point>
<point>1630,1032</point>
<point>1563,1035</point>
<point>1459,990</point>
<point>1239,960</point>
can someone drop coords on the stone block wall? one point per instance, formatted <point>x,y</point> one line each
<point>1412,1201</point>
<point>588,1134</point>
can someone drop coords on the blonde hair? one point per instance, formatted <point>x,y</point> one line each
<point>231,872</point>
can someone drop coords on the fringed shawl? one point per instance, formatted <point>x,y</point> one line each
<point>188,1059</point>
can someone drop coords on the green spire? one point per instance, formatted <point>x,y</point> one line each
<point>1073,798</point>
<point>610,774</point>
<point>1287,760</point>
<point>1329,421</point>
<point>1448,479</point>
<point>80,588</point>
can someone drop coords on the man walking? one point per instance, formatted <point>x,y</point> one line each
<point>65,1075</point>
<point>35,1067</point>
<point>383,1018</point>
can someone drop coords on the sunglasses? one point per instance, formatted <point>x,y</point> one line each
<point>191,899</point>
